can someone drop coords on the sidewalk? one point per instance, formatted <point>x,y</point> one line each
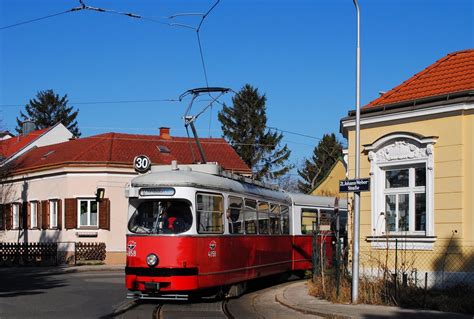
<point>295,296</point>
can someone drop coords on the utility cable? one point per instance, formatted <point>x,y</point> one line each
<point>105,102</point>
<point>83,6</point>
<point>198,37</point>
<point>38,19</point>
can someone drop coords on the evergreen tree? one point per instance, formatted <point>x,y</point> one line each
<point>244,127</point>
<point>313,170</point>
<point>47,109</point>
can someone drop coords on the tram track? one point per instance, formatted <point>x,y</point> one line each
<point>180,310</point>
<point>258,303</point>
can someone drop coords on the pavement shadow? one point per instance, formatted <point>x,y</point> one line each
<point>19,281</point>
<point>422,314</point>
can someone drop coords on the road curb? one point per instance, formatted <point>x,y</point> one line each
<point>280,298</point>
<point>295,296</point>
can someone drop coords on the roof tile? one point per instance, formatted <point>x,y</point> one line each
<point>118,148</point>
<point>453,73</point>
<point>14,144</point>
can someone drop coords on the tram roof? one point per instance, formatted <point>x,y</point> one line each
<point>190,178</point>
<point>314,200</point>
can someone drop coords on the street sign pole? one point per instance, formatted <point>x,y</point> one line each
<point>356,226</point>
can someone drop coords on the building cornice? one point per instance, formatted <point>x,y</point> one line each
<point>382,117</point>
<point>67,170</point>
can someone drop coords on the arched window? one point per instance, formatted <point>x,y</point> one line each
<point>402,181</point>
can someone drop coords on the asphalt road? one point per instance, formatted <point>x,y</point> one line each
<point>32,293</point>
<point>36,293</point>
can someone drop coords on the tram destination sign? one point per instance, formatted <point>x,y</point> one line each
<point>354,185</point>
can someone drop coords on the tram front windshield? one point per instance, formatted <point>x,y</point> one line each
<point>161,217</point>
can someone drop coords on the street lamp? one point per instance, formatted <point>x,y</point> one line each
<point>356,226</point>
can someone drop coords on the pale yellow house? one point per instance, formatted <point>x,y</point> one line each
<point>329,185</point>
<point>417,147</point>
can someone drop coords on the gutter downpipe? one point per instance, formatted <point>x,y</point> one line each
<point>356,225</point>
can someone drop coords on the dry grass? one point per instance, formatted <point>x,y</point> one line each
<point>377,292</point>
<point>371,291</point>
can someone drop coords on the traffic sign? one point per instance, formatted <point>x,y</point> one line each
<point>354,185</point>
<point>141,163</point>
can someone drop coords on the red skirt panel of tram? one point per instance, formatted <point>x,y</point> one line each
<point>187,263</point>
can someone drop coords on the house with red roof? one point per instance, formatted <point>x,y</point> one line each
<point>12,146</point>
<point>417,148</point>
<point>52,195</point>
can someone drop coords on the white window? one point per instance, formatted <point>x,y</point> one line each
<point>402,184</point>
<point>34,214</point>
<point>16,216</point>
<point>53,213</point>
<point>88,212</point>
<point>405,199</point>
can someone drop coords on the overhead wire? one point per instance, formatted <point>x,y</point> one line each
<point>106,102</point>
<point>201,53</point>
<point>249,144</point>
<point>84,6</point>
<point>36,19</point>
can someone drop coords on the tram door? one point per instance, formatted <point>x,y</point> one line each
<point>314,220</point>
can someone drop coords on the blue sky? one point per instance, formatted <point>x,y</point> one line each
<point>300,53</point>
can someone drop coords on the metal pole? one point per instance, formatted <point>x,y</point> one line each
<point>201,151</point>
<point>355,242</point>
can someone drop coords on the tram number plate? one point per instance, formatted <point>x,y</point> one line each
<point>152,286</point>
<point>212,253</point>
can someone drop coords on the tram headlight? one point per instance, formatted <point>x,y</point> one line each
<point>152,260</point>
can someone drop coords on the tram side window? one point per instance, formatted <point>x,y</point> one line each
<point>209,213</point>
<point>250,216</point>
<point>285,214</point>
<point>325,219</point>
<point>235,215</point>
<point>275,228</point>
<point>308,217</point>
<point>263,222</point>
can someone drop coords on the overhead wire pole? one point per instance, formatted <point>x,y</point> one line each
<point>356,226</point>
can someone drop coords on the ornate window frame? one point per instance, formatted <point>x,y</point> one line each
<point>400,149</point>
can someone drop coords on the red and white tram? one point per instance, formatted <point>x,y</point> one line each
<point>194,228</point>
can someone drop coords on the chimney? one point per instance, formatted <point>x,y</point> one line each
<point>165,133</point>
<point>27,127</point>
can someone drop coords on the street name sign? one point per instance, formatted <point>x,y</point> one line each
<point>354,185</point>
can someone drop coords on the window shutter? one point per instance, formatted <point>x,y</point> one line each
<point>8,216</point>
<point>45,214</point>
<point>28,215</point>
<point>70,218</point>
<point>60,213</point>
<point>104,214</point>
